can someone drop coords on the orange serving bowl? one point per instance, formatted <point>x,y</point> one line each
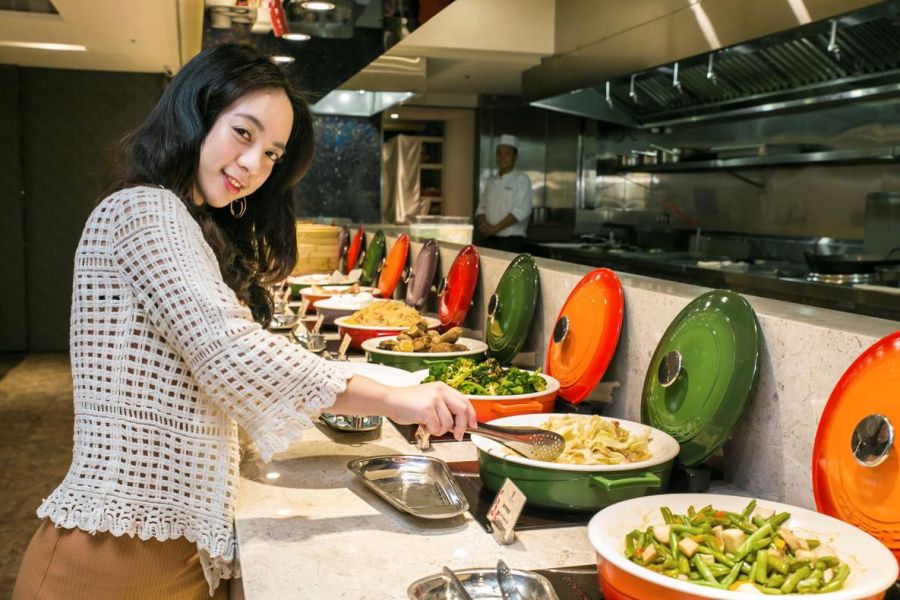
<point>873,568</point>
<point>488,408</point>
<point>360,333</point>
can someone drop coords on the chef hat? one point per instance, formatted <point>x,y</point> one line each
<point>509,140</point>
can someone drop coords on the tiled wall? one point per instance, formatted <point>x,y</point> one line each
<point>805,350</point>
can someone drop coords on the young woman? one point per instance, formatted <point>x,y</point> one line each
<point>169,354</point>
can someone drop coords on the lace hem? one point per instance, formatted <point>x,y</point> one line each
<point>215,543</point>
<point>281,434</point>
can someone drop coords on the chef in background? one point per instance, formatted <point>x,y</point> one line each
<point>505,205</point>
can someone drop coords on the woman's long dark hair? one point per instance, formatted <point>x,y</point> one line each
<point>261,247</point>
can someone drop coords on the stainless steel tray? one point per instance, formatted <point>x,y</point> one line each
<point>420,485</point>
<point>482,584</point>
<point>351,424</point>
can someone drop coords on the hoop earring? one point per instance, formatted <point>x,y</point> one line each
<point>241,210</point>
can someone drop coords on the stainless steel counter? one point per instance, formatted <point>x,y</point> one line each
<point>782,281</point>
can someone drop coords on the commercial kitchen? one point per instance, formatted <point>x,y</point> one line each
<point>711,259</point>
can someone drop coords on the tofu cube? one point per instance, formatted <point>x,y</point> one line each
<point>649,554</point>
<point>688,547</point>
<point>733,539</point>
<point>765,513</point>
<point>661,533</point>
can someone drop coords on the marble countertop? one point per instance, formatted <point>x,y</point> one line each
<point>308,528</point>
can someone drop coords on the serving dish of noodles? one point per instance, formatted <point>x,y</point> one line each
<point>594,440</point>
<point>593,443</point>
<point>389,313</point>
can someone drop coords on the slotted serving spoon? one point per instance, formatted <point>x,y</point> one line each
<point>531,442</point>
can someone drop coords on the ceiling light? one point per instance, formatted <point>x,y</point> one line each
<point>358,103</point>
<point>395,115</point>
<point>45,46</point>
<point>282,59</point>
<point>317,5</point>
<point>296,37</point>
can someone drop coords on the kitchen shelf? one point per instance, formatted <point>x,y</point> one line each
<point>872,155</point>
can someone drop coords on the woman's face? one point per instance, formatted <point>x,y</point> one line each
<point>245,142</point>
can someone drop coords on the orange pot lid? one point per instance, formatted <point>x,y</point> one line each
<point>856,459</point>
<point>393,266</point>
<point>586,333</point>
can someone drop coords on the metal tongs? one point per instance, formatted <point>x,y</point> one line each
<point>531,442</point>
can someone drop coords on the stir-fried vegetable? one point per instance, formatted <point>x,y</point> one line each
<point>486,378</point>
<point>728,550</point>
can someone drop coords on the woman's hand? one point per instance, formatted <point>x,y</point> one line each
<point>436,406</point>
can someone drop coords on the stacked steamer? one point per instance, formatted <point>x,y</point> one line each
<point>317,248</point>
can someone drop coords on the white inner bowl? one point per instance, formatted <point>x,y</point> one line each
<point>663,447</point>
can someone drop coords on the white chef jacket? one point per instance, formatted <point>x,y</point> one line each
<point>505,194</point>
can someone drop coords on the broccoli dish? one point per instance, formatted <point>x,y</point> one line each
<point>486,378</point>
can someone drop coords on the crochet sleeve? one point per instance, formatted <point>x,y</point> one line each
<point>270,387</point>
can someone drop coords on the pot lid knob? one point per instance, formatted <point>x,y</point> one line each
<point>872,440</point>
<point>493,305</point>
<point>670,368</point>
<point>561,330</point>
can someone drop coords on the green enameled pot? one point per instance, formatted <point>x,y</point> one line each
<point>416,361</point>
<point>571,487</point>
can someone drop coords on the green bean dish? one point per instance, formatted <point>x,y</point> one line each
<point>747,551</point>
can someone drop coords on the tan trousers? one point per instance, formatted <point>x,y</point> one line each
<point>73,565</point>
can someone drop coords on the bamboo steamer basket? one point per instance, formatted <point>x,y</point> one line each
<point>317,248</point>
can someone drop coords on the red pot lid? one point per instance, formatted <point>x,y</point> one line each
<point>856,462</point>
<point>457,290</point>
<point>355,249</point>
<point>421,278</point>
<point>393,266</point>
<point>343,244</point>
<point>586,333</point>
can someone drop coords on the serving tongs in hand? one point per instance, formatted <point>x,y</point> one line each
<point>531,442</point>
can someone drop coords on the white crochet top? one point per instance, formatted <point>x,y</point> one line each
<point>166,363</point>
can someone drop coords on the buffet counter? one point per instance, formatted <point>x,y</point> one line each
<point>308,528</point>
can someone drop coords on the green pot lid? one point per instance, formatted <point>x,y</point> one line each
<point>702,373</point>
<point>511,309</point>
<point>371,262</point>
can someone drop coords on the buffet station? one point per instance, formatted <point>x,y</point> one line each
<point>637,438</point>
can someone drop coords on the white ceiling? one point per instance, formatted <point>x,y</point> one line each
<point>147,36</point>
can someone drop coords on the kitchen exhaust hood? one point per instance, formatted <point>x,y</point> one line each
<point>847,58</point>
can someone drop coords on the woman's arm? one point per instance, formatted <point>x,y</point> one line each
<point>436,406</point>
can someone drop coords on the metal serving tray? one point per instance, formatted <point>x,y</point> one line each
<point>351,424</point>
<point>482,584</point>
<point>420,485</point>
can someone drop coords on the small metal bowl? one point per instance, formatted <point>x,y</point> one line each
<point>283,321</point>
<point>482,584</point>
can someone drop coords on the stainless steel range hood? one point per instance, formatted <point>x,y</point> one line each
<point>846,58</point>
